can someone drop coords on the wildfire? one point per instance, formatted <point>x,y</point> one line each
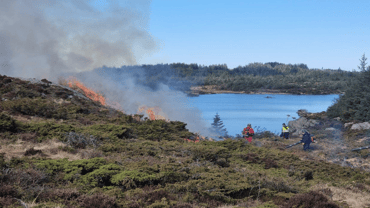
<point>74,83</point>
<point>154,113</point>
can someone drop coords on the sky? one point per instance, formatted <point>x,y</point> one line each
<point>41,38</point>
<point>319,33</point>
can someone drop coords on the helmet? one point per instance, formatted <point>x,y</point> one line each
<point>283,124</point>
<point>249,124</point>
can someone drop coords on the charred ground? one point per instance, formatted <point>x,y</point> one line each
<point>60,149</point>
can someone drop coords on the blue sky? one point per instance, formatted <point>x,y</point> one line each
<point>328,34</point>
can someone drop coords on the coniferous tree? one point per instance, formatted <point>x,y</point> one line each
<point>218,126</point>
<point>354,104</point>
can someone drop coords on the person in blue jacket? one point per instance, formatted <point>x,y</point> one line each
<point>307,139</point>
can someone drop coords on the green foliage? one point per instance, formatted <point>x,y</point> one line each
<point>36,107</point>
<point>133,178</point>
<point>48,130</point>
<point>7,123</point>
<point>353,105</point>
<point>111,131</point>
<point>158,130</point>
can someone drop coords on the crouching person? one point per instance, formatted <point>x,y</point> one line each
<point>307,139</point>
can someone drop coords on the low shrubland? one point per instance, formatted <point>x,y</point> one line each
<point>114,160</point>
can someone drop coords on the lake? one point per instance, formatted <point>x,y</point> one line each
<point>263,111</point>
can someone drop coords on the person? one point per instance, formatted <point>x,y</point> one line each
<point>307,139</point>
<point>285,132</point>
<point>248,133</point>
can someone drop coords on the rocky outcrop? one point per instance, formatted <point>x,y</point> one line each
<point>296,126</point>
<point>358,126</point>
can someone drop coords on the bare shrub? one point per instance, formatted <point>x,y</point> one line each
<point>7,201</point>
<point>80,141</point>
<point>63,195</point>
<point>309,200</point>
<point>91,154</point>
<point>270,163</point>
<point>308,175</point>
<point>97,201</point>
<point>8,190</point>
<point>28,137</point>
<point>32,151</point>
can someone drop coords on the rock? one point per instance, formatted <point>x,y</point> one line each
<point>361,126</point>
<point>330,129</point>
<point>302,113</point>
<point>298,125</point>
<point>337,118</point>
<point>347,124</point>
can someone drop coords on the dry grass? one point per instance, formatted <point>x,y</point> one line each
<point>354,197</point>
<point>49,148</point>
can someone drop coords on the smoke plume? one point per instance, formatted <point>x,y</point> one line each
<point>51,39</point>
<point>42,38</point>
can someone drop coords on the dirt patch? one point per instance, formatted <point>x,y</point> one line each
<point>50,149</point>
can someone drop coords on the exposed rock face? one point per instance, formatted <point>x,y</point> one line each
<point>360,126</point>
<point>296,126</point>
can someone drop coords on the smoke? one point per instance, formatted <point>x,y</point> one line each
<point>51,39</point>
<point>40,39</point>
<point>125,86</point>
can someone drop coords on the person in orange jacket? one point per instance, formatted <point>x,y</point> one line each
<point>248,133</point>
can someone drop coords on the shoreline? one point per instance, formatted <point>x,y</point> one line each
<point>211,89</point>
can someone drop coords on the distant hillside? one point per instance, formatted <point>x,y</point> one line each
<point>254,77</point>
<point>59,148</point>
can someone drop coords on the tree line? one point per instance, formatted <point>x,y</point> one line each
<point>288,78</point>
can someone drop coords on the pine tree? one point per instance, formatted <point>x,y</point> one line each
<point>218,126</point>
<point>353,105</point>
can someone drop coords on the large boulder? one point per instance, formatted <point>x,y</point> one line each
<point>296,126</point>
<point>360,126</point>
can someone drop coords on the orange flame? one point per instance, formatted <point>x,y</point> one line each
<point>73,83</point>
<point>153,112</point>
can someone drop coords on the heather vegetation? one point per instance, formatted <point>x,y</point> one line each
<point>78,153</point>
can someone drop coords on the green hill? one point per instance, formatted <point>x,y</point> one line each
<point>61,149</point>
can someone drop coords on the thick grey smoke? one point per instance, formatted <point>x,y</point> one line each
<point>45,37</point>
<point>52,38</point>
<point>121,86</point>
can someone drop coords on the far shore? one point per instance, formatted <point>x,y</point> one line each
<point>212,89</point>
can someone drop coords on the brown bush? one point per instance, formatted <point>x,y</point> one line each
<point>270,163</point>
<point>308,175</point>
<point>28,137</point>
<point>8,190</point>
<point>7,201</point>
<point>310,200</point>
<point>32,151</point>
<point>91,154</point>
<point>183,205</point>
<point>63,195</point>
<point>97,201</point>
<point>251,157</point>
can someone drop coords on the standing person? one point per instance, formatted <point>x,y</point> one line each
<point>306,140</point>
<point>248,133</point>
<point>285,132</point>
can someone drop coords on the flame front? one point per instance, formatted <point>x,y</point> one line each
<point>153,112</point>
<point>73,83</point>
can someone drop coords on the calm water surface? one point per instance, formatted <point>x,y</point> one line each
<point>237,110</point>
